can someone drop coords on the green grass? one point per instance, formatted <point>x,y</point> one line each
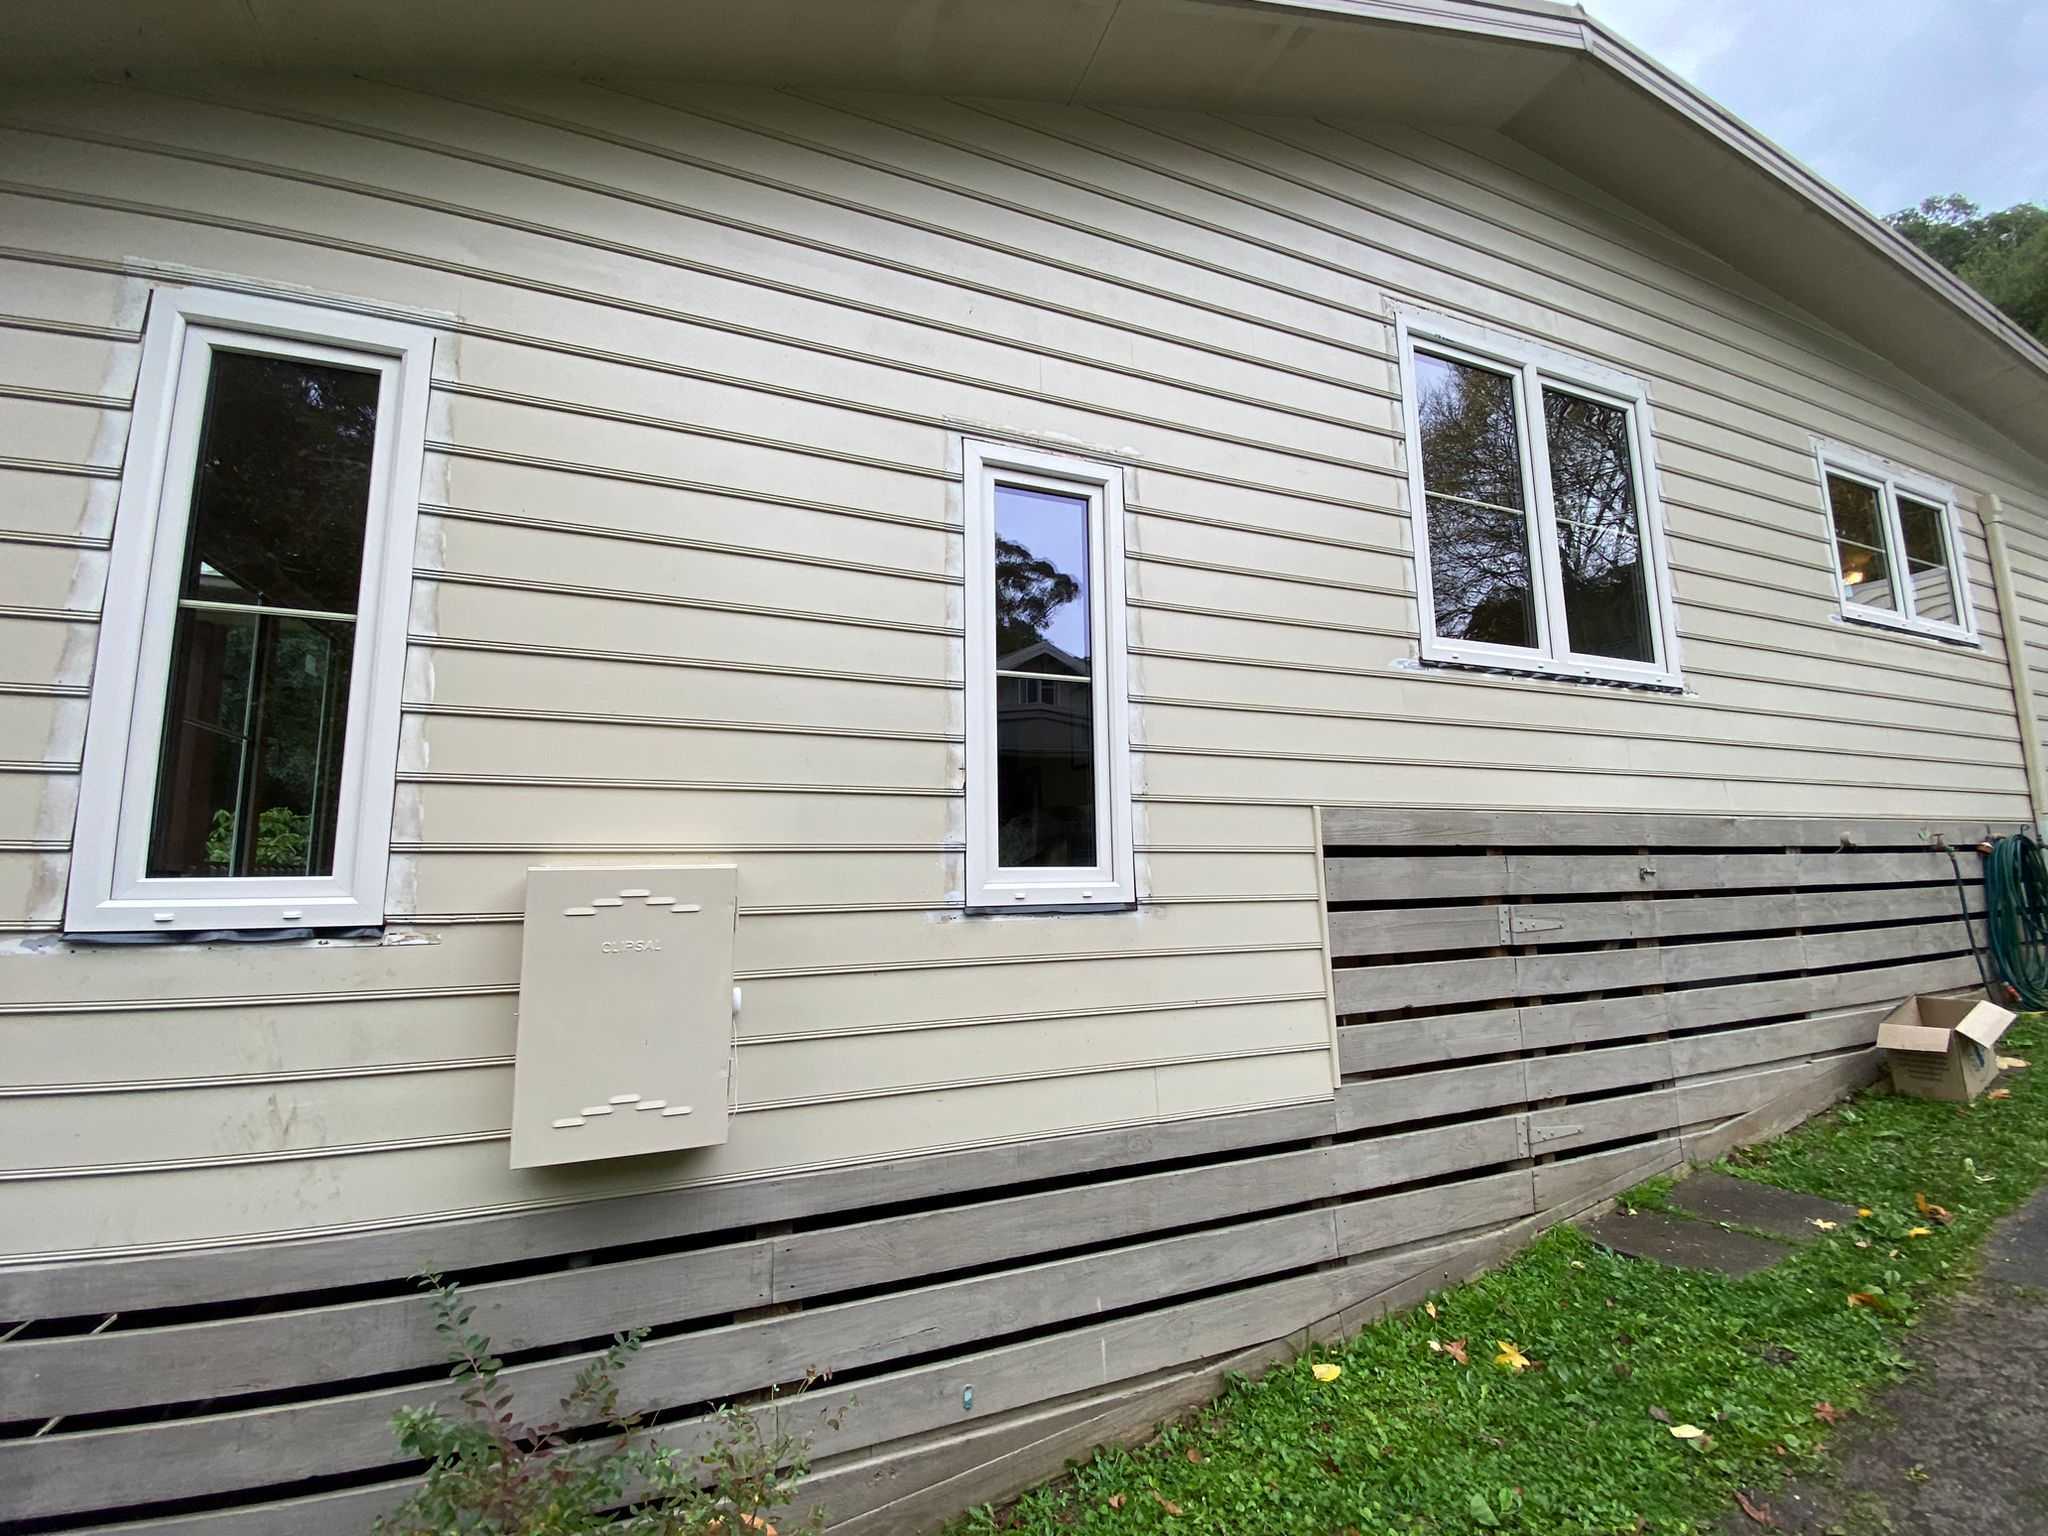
<point>1407,1440</point>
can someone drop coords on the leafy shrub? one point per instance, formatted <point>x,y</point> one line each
<point>491,1474</point>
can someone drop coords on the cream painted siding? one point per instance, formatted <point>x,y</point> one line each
<point>689,584</point>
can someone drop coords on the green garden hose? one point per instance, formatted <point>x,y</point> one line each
<point>2016,916</point>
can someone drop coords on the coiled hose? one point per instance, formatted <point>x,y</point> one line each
<point>2016,916</point>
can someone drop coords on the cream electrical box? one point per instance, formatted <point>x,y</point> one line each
<point>626,1012</point>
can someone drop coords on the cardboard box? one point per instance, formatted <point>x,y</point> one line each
<point>1943,1047</point>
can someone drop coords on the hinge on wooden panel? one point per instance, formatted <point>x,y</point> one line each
<point>1539,1134</point>
<point>1514,921</point>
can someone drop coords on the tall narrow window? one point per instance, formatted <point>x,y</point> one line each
<point>243,725</point>
<point>1538,539</point>
<point>1048,799</point>
<point>1895,545</point>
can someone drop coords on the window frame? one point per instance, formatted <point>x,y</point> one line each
<point>1531,368</point>
<point>1890,481</point>
<point>1110,883</point>
<point>109,889</point>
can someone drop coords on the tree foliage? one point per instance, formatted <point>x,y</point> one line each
<point>2003,255</point>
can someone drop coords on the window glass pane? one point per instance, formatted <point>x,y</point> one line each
<point>1859,544</point>
<point>1925,530</point>
<point>282,486</point>
<point>1599,535</point>
<point>1479,573</point>
<point>1042,597</point>
<point>1470,447</point>
<point>250,782</point>
<point>1045,774</point>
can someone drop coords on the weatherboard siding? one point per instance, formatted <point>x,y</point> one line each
<point>689,585</point>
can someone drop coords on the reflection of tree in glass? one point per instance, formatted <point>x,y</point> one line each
<point>283,482</point>
<point>1478,542</point>
<point>1599,541</point>
<point>1029,591</point>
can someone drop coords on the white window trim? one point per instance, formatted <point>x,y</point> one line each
<point>109,891</point>
<point>1531,365</point>
<point>1889,480</point>
<point>1112,881</point>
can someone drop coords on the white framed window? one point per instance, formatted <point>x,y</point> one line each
<point>242,736</point>
<point>1898,545</point>
<point>1048,739</point>
<point>1539,541</point>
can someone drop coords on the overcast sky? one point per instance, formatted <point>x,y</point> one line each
<point>1891,100</point>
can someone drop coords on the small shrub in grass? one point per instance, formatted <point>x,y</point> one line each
<point>490,1473</point>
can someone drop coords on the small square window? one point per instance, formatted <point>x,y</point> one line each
<point>1895,539</point>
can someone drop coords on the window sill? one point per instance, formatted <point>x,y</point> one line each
<point>1662,687</point>
<point>1908,629</point>
<point>1048,908</point>
<point>356,936</point>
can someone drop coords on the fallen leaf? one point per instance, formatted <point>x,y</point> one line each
<point>1865,1299</point>
<point>1862,1242</point>
<point>1163,1502</point>
<point>1824,1224</point>
<point>1863,1211</point>
<point>1323,1370</point>
<point>1456,1350</point>
<point>1435,1348</point>
<point>1578,1263</point>
<point>1756,1512</point>
<point>1920,1232</point>
<point>1999,1093</point>
<point>2012,1063</point>
<point>1194,1456</point>
<point>1659,1414</point>
<point>1688,1432</point>
<point>1928,1208</point>
<point>1429,1307</point>
<point>1511,1357</point>
<point>1827,1412</point>
<point>1116,1501</point>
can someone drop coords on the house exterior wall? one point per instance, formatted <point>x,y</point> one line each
<point>689,585</point>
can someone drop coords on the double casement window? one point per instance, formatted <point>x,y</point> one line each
<point>1897,546</point>
<point>1048,772</point>
<point>242,739</point>
<point>1538,543</point>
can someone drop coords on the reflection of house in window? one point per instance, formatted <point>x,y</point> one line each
<point>1045,762</point>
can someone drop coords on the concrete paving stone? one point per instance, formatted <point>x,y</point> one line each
<point>1746,1203</point>
<point>1684,1244</point>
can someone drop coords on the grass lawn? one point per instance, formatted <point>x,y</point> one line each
<point>1410,1439</point>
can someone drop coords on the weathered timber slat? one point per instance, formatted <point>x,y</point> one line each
<point>1597,1071</point>
<point>1386,1223</point>
<point>1442,983</point>
<point>1436,1039</point>
<point>349,1434</point>
<point>1728,1050</point>
<point>1583,1125</point>
<point>1439,877</point>
<point>1429,1095</point>
<point>1347,826</point>
<point>269,1351</point>
<point>1412,930</point>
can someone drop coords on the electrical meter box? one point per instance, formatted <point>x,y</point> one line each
<point>626,1012</point>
